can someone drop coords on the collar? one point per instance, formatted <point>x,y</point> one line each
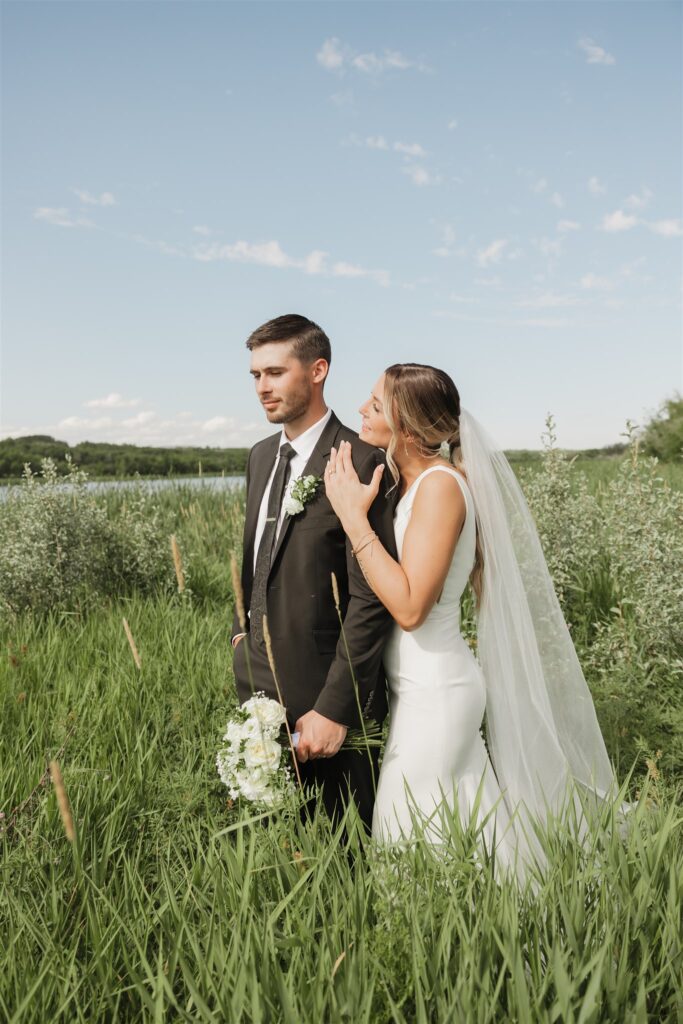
<point>304,444</point>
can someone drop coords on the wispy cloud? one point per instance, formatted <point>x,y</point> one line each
<point>104,199</point>
<point>547,300</point>
<point>668,228</point>
<point>410,149</point>
<point>452,124</point>
<point>596,187</point>
<point>637,202</point>
<point>567,225</point>
<point>61,217</point>
<point>271,254</point>
<point>618,221</point>
<point>549,322</point>
<point>112,401</point>
<point>338,57</point>
<point>150,428</point>
<point>420,176</point>
<point>595,54</point>
<point>557,200</point>
<point>202,229</point>
<point>592,282</point>
<point>492,253</point>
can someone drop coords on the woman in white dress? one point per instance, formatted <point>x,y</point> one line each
<point>461,519</point>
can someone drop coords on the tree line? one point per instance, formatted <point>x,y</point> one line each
<point>118,460</point>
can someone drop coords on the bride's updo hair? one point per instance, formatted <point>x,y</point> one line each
<point>423,403</point>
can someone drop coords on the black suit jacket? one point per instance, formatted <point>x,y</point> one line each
<point>313,658</point>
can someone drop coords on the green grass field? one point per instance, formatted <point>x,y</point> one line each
<point>173,905</point>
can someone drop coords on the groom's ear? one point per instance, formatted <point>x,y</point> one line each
<point>319,370</point>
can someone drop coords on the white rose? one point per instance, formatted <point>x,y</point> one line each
<point>269,713</point>
<point>254,786</point>
<point>234,733</point>
<point>292,506</point>
<point>262,752</point>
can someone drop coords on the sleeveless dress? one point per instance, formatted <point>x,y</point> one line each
<point>437,698</point>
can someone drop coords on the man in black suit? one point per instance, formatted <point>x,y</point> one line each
<point>287,564</point>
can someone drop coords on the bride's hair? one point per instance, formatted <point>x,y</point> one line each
<point>423,403</point>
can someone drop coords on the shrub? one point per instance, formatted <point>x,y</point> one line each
<point>59,548</point>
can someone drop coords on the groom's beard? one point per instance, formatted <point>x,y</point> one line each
<point>292,407</point>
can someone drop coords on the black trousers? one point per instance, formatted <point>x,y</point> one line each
<point>347,773</point>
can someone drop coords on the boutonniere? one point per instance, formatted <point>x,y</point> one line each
<point>303,490</point>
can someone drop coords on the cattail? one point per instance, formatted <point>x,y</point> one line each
<point>271,662</point>
<point>62,801</point>
<point>239,593</point>
<point>178,563</point>
<point>136,656</point>
<point>335,591</point>
<point>337,962</point>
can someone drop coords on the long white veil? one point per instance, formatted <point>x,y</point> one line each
<point>542,729</point>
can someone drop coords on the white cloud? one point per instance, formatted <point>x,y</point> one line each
<point>540,185</point>
<point>201,229</point>
<point>595,187</point>
<point>635,202</point>
<point>549,246</point>
<point>149,428</point>
<point>104,199</point>
<point>492,253</point>
<point>543,322</point>
<point>271,254</point>
<point>335,56</point>
<point>557,200</point>
<point>567,225</point>
<point>667,228</point>
<point>594,53</point>
<point>447,232</point>
<point>452,125</point>
<point>79,422</point>
<point>410,149</point>
<point>420,176</point>
<point>618,221</point>
<point>112,401</point>
<point>341,269</point>
<point>330,55</point>
<point>547,300</point>
<point>140,419</point>
<point>592,282</point>
<point>60,217</point>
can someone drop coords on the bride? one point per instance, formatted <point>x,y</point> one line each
<point>461,516</point>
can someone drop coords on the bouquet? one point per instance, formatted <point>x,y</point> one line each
<point>250,764</point>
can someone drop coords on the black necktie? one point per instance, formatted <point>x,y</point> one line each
<point>265,551</point>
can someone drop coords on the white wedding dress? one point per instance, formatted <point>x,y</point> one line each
<point>437,697</point>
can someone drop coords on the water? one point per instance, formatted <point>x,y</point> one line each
<point>216,483</point>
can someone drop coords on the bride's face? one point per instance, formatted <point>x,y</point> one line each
<point>374,428</point>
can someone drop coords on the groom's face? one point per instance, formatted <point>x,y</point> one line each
<point>284,384</point>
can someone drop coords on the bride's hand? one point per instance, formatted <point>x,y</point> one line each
<point>347,495</point>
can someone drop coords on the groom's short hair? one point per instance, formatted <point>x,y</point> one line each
<point>309,342</point>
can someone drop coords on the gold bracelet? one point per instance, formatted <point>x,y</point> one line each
<point>355,551</point>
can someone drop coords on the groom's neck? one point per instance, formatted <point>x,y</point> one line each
<point>315,412</point>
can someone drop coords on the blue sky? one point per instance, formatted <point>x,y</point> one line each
<point>490,187</point>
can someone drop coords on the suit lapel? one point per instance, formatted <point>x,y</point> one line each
<point>314,467</point>
<point>259,474</point>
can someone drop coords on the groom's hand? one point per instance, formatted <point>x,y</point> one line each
<point>318,736</point>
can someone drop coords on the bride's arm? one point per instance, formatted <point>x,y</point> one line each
<point>409,588</point>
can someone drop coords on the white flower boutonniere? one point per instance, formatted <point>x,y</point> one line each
<point>303,489</point>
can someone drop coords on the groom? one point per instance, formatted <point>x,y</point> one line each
<point>286,572</point>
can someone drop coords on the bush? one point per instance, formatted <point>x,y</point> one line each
<point>663,435</point>
<point>59,548</point>
<point>617,566</point>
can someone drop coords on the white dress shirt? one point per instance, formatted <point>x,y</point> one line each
<point>303,445</point>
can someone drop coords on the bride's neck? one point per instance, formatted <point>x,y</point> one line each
<point>410,468</point>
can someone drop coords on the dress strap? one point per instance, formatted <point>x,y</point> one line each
<point>445,469</point>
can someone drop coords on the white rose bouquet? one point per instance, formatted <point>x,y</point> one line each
<point>250,764</point>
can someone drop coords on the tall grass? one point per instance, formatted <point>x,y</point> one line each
<point>170,903</point>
